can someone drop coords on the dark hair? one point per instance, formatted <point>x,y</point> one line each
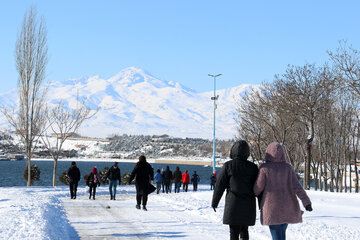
<point>73,163</point>
<point>115,164</point>
<point>158,170</point>
<point>142,158</point>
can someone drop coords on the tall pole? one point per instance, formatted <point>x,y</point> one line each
<point>214,98</point>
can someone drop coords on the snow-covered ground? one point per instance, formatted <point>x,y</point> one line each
<point>49,213</point>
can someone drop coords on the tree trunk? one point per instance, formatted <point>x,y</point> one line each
<point>54,172</point>
<point>28,164</point>
<point>357,178</point>
<point>326,187</point>
<point>350,180</point>
<point>307,164</point>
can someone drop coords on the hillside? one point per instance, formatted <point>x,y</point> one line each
<point>135,102</point>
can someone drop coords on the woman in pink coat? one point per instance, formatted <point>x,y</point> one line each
<point>279,186</point>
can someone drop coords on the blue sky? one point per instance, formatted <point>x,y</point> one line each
<point>182,41</point>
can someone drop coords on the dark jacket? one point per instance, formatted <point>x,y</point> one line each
<point>90,181</point>
<point>237,177</point>
<point>143,173</point>
<point>195,178</point>
<point>177,175</point>
<point>212,179</point>
<point>73,174</point>
<point>114,174</point>
<point>167,177</point>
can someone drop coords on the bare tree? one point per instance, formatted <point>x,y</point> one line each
<point>346,60</point>
<point>63,123</point>
<point>31,61</point>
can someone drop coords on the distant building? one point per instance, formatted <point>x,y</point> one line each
<point>61,135</point>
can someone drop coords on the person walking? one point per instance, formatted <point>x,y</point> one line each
<point>185,180</point>
<point>279,186</point>
<point>93,181</point>
<point>114,177</point>
<point>167,179</point>
<point>158,179</point>
<point>162,183</point>
<point>73,174</point>
<point>212,181</point>
<point>177,179</point>
<point>195,179</point>
<point>143,173</point>
<point>237,177</point>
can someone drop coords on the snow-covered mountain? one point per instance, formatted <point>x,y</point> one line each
<point>134,102</point>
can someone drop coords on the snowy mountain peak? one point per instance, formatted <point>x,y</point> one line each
<point>131,75</point>
<point>135,102</point>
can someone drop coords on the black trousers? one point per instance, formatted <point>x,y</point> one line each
<point>163,186</point>
<point>143,197</point>
<point>92,190</point>
<point>73,189</point>
<point>167,187</point>
<point>238,230</point>
<point>185,187</point>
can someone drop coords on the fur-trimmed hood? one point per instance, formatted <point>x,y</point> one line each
<point>275,153</point>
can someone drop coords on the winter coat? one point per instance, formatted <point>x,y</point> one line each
<point>212,179</point>
<point>279,186</point>
<point>158,178</point>
<point>167,177</point>
<point>143,173</point>
<point>195,178</point>
<point>185,178</point>
<point>237,177</point>
<point>114,174</point>
<point>177,175</point>
<point>91,181</point>
<point>73,174</point>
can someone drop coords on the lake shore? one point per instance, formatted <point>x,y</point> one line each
<point>181,161</point>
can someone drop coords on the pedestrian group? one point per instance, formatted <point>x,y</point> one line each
<point>274,184</point>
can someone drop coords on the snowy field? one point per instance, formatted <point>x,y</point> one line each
<point>49,213</point>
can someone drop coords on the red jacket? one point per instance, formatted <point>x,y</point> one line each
<point>185,178</point>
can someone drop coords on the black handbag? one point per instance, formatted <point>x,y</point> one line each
<point>151,188</point>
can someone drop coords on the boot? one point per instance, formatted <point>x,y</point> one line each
<point>144,208</point>
<point>137,206</point>
<point>94,197</point>
<point>90,196</point>
<point>111,198</point>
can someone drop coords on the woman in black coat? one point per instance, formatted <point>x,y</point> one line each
<point>237,177</point>
<point>93,181</point>
<point>143,173</point>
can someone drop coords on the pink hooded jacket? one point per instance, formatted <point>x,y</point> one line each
<point>278,183</point>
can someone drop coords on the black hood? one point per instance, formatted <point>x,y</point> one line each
<point>240,150</point>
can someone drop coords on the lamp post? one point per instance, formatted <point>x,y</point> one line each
<point>214,98</point>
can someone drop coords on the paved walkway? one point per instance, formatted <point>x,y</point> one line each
<point>105,219</point>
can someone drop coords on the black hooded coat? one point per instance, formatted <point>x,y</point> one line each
<point>143,173</point>
<point>237,177</point>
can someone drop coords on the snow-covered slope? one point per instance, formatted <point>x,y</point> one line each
<point>134,102</point>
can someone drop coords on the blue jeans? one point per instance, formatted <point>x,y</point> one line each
<point>113,185</point>
<point>278,231</point>
<point>177,187</point>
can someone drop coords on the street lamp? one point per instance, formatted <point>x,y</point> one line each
<point>214,98</point>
